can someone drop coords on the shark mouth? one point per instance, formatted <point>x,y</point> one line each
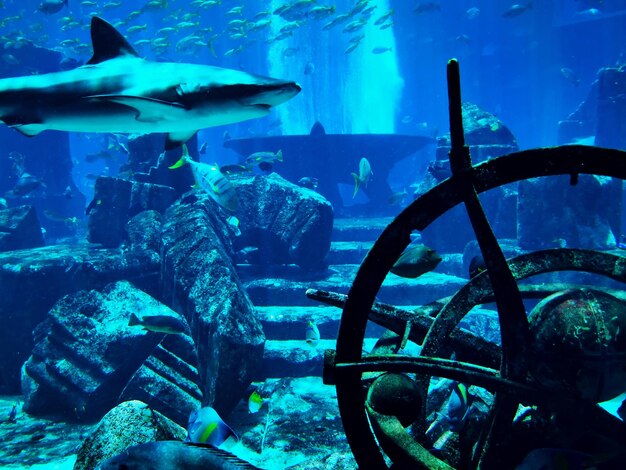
<point>264,95</point>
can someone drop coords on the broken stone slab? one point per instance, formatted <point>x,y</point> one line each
<point>168,379</point>
<point>31,281</point>
<point>144,233</point>
<point>129,423</point>
<point>20,229</point>
<point>200,281</point>
<point>86,356</point>
<point>116,201</point>
<point>287,223</point>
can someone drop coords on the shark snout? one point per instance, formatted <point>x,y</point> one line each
<point>292,88</point>
<point>275,93</point>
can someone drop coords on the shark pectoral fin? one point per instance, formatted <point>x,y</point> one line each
<point>25,126</point>
<point>29,130</point>
<point>176,139</point>
<point>147,109</point>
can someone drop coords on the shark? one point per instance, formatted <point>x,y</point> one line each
<point>117,91</point>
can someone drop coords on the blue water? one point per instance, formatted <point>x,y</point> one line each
<point>510,66</point>
<point>530,70</point>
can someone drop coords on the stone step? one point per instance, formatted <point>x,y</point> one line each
<point>359,229</point>
<point>290,322</point>
<point>295,358</point>
<point>395,290</point>
<point>348,252</point>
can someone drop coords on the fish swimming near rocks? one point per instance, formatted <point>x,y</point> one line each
<point>255,402</point>
<point>25,185</point>
<point>258,158</point>
<point>175,455</point>
<point>117,91</point>
<point>415,261</point>
<point>210,179</point>
<point>365,173</point>
<point>205,426</point>
<point>308,182</point>
<point>158,323</point>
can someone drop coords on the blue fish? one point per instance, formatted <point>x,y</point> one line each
<point>206,427</point>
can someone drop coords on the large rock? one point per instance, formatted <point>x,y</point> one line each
<point>19,229</point>
<point>552,213</point>
<point>129,423</point>
<point>31,281</point>
<point>86,358</point>
<point>288,224</point>
<point>611,125</point>
<point>116,201</point>
<point>485,134</point>
<point>487,137</point>
<point>144,234</point>
<point>199,280</point>
<point>600,119</point>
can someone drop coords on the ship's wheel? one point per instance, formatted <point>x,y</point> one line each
<point>378,413</point>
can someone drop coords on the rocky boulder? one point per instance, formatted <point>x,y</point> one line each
<point>129,423</point>
<point>554,214</point>
<point>31,281</point>
<point>287,223</point>
<point>200,281</point>
<point>86,357</point>
<point>19,229</point>
<point>485,134</point>
<point>116,201</point>
<point>483,128</point>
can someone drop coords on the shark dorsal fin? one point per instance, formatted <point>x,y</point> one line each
<point>107,42</point>
<point>318,129</point>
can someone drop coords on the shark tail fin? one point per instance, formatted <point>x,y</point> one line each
<point>133,320</point>
<point>357,181</point>
<point>279,155</point>
<point>178,164</point>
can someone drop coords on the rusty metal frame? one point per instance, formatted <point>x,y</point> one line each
<point>466,182</point>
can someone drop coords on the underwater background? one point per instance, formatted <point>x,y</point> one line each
<point>166,286</point>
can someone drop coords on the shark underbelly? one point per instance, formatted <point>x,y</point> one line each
<point>101,117</point>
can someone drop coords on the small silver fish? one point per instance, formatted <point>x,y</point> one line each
<point>312,334</point>
<point>570,76</point>
<point>517,9</point>
<point>158,323</point>
<point>381,50</point>
<point>365,173</point>
<point>50,7</point>
<point>264,157</point>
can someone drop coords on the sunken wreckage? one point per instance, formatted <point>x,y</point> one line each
<point>385,413</point>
